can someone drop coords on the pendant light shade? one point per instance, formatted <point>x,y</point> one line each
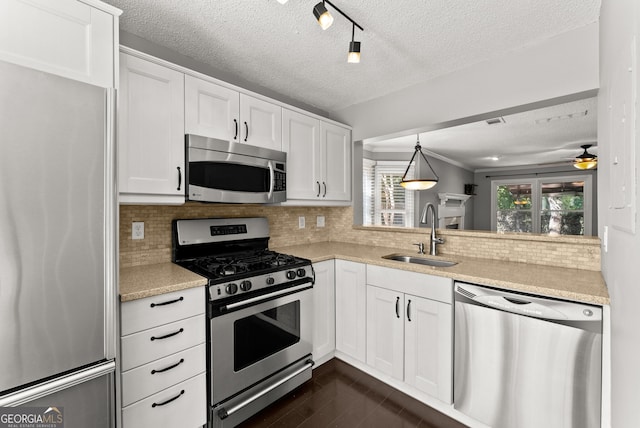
<point>427,180</point>
<point>322,15</point>
<point>586,160</point>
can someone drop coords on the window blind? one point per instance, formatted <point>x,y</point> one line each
<point>386,203</point>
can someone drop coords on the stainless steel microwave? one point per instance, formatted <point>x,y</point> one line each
<point>229,172</point>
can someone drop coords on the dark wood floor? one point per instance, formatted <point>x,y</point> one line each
<point>340,395</point>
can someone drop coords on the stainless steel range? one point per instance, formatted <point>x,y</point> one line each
<point>259,313</point>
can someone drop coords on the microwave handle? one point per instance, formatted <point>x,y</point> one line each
<point>272,180</point>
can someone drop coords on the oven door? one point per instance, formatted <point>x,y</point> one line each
<point>254,342</point>
<point>219,171</point>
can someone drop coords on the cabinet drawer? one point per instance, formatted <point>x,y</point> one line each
<point>146,380</point>
<point>419,284</point>
<point>146,346</point>
<point>183,405</point>
<point>142,314</point>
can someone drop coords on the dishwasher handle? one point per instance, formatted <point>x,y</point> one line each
<point>522,304</point>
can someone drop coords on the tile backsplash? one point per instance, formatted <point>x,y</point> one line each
<point>283,225</point>
<point>569,252</point>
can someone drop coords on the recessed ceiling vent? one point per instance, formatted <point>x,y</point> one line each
<point>495,120</point>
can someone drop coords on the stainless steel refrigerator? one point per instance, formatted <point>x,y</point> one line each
<point>57,247</point>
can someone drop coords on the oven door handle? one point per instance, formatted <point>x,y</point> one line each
<point>272,181</point>
<point>269,296</point>
<point>224,413</point>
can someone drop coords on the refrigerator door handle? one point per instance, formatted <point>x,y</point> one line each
<point>58,384</point>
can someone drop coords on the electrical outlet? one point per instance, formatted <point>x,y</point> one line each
<point>137,230</point>
<point>301,222</point>
<point>320,221</point>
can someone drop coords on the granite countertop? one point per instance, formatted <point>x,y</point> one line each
<point>573,284</point>
<point>138,282</point>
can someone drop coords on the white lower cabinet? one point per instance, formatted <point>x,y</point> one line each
<point>181,405</point>
<point>409,337</point>
<point>163,361</point>
<point>351,307</point>
<point>324,307</point>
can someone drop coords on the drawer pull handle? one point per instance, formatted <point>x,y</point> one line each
<point>168,368</point>
<point>168,401</point>
<point>153,305</point>
<point>166,336</point>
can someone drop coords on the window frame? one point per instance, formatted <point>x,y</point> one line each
<point>536,198</point>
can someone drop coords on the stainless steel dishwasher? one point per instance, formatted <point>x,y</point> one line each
<point>525,361</point>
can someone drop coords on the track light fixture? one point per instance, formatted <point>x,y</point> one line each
<point>586,160</point>
<point>354,48</point>
<point>325,20</point>
<point>322,15</point>
<point>425,181</point>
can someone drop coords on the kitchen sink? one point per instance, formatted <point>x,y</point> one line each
<point>419,260</point>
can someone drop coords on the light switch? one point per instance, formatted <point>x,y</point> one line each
<point>320,221</point>
<point>301,224</point>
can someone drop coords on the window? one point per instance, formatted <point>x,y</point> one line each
<point>385,202</point>
<point>554,206</point>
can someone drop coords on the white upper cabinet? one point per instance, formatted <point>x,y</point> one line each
<point>261,123</point>
<point>63,37</point>
<point>150,133</point>
<point>211,110</point>
<point>215,111</point>
<point>318,160</point>
<point>335,156</point>
<point>301,142</point>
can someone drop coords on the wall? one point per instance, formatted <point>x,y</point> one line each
<point>482,212</point>
<point>562,65</point>
<point>619,26</point>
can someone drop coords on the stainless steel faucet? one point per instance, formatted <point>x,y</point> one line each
<point>433,241</point>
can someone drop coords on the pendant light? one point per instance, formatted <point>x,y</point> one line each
<point>322,15</point>
<point>586,160</point>
<point>425,181</point>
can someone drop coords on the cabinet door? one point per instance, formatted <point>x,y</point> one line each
<point>428,347</point>
<point>324,305</point>
<point>351,309</point>
<point>151,132</point>
<point>301,142</point>
<point>67,38</point>
<point>261,123</point>
<point>211,110</point>
<point>385,331</point>
<point>335,143</point>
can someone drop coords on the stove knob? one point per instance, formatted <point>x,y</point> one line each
<point>245,285</point>
<point>301,272</point>
<point>291,274</point>
<point>231,289</point>
<point>270,281</point>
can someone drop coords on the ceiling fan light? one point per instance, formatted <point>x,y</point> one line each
<point>586,160</point>
<point>322,15</point>
<point>354,52</point>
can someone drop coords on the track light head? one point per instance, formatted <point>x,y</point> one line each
<point>354,52</point>
<point>322,15</point>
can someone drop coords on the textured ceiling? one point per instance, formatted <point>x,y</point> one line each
<point>543,136</point>
<point>405,42</point>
